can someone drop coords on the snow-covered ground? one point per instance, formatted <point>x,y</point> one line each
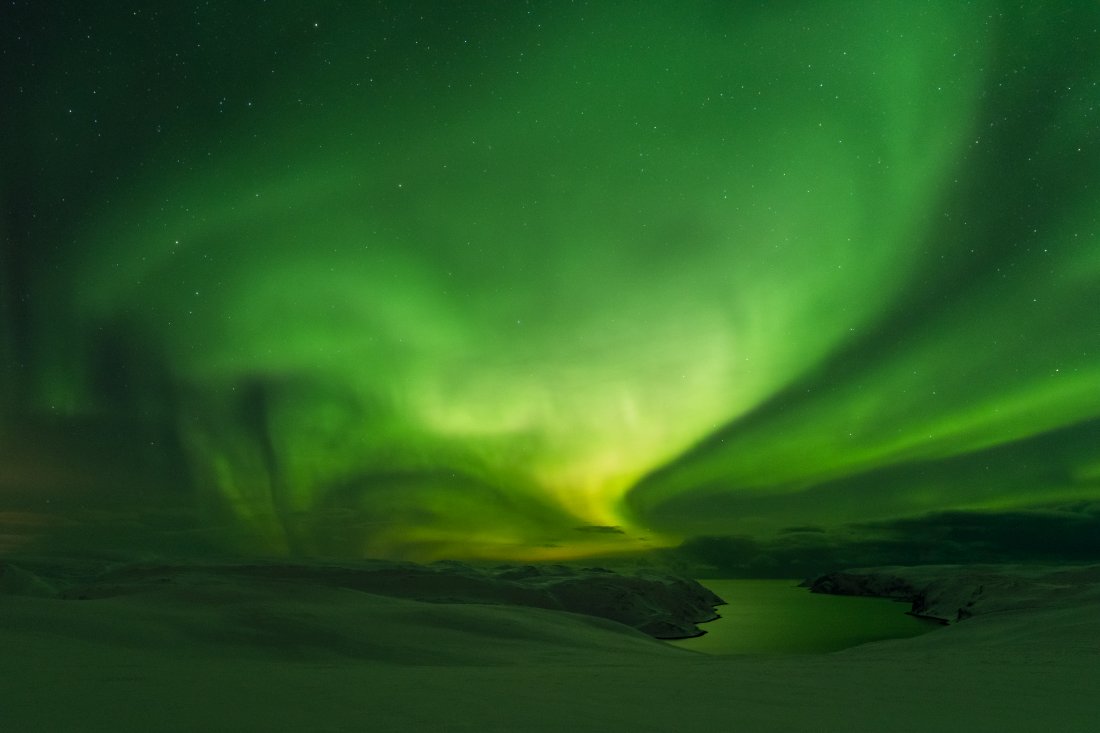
<point>214,648</point>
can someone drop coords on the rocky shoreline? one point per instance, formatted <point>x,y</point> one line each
<point>954,593</point>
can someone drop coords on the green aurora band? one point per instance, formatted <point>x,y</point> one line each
<point>554,280</point>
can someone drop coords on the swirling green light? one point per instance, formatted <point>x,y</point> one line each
<point>465,301</point>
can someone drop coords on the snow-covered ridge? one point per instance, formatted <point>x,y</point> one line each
<point>662,606</point>
<point>953,593</point>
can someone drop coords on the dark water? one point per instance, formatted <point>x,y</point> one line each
<point>776,616</point>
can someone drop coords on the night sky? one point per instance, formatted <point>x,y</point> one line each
<point>547,279</point>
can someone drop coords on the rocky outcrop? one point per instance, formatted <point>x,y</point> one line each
<point>953,593</point>
<point>858,583</point>
<point>662,606</point>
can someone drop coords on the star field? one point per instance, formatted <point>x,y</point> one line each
<point>436,281</point>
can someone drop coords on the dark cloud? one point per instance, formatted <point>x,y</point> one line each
<point>802,528</point>
<point>1041,535</point>
<point>600,529</point>
<point>1025,469</point>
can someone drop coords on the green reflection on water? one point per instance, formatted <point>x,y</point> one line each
<point>778,617</point>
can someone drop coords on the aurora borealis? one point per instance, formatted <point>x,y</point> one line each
<point>545,279</point>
